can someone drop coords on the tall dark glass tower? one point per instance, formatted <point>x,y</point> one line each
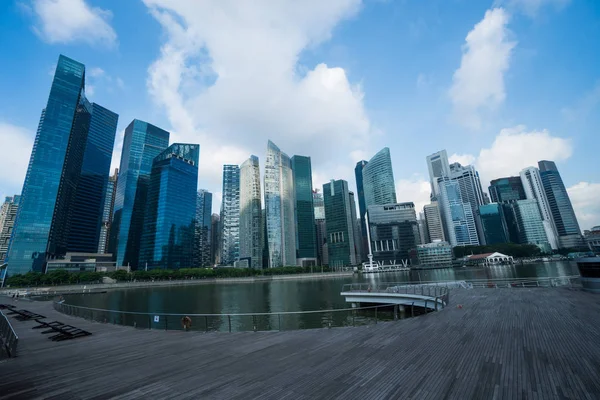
<point>141,144</point>
<point>169,220</point>
<point>340,224</point>
<point>230,215</point>
<point>507,189</point>
<point>63,193</point>
<point>362,207</point>
<point>378,179</point>
<point>203,233</point>
<point>306,242</point>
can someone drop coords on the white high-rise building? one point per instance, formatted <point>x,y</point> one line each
<point>438,166</point>
<point>433,222</point>
<point>8,213</point>
<point>250,213</point>
<point>534,190</point>
<point>279,208</point>
<point>470,191</point>
<point>457,215</point>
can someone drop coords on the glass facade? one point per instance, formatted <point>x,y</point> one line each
<point>8,213</point>
<point>470,191</point>
<point>66,177</point>
<point>107,212</point>
<point>494,224</point>
<point>215,243</point>
<point>529,222</point>
<point>378,179</point>
<point>457,215</point>
<point>141,144</point>
<point>435,255</point>
<point>394,232</point>
<point>203,233</point>
<point>438,166</point>
<point>230,215</point>
<point>251,228</point>
<point>279,208</point>
<point>339,223</point>
<point>306,242</point>
<point>433,222</point>
<point>506,189</point>
<point>534,190</point>
<point>169,220</point>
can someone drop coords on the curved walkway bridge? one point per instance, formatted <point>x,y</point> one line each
<point>505,343</point>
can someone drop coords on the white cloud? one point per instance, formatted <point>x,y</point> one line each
<point>67,21</point>
<point>229,78</point>
<point>95,72</point>
<point>532,7</point>
<point>584,197</point>
<point>14,163</point>
<point>478,84</point>
<point>463,159</point>
<point>416,189</point>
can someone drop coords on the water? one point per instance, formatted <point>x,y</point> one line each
<point>283,296</point>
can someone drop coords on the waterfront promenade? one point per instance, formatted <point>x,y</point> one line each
<point>519,343</point>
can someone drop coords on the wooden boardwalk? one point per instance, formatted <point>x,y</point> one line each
<point>503,344</point>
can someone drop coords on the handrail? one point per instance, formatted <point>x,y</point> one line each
<point>9,337</point>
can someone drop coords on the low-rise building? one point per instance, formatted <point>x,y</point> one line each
<point>83,262</point>
<point>592,239</point>
<point>487,259</point>
<point>437,254</point>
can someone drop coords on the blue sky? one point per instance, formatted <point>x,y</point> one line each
<point>500,84</point>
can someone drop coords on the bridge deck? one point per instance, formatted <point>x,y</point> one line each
<point>503,343</point>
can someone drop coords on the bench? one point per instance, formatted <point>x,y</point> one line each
<point>24,315</point>
<point>63,331</point>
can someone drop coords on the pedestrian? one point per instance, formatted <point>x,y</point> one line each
<point>186,322</point>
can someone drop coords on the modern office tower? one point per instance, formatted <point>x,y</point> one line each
<point>230,215</point>
<point>320,227</point>
<point>433,221</point>
<point>251,227</point>
<point>279,208</point>
<point>355,227</point>
<point>378,179</point>
<point>506,189</point>
<point>393,231</point>
<point>486,198</point>
<point>457,216</point>
<point>493,223</point>
<point>169,221</point>
<point>107,212</point>
<point>362,207</point>
<point>306,241</point>
<point>318,204</point>
<point>438,166</point>
<point>565,221</point>
<point>340,231</point>
<point>73,143</point>
<point>471,192</point>
<point>423,234</point>
<point>529,222</point>
<point>215,241</point>
<point>141,144</point>
<point>203,234</point>
<point>8,213</point>
<point>534,189</point>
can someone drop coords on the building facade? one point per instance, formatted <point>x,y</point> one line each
<point>433,222</point>
<point>362,207</point>
<point>457,216</point>
<point>470,191</point>
<point>378,179</point>
<point>534,189</point>
<point>341,243</point>
<point>436,254</point>
<point>438,166</point>
<point>141,144</point>
<point>506,189</point>
<point>320,228</point>
<point>58,175</point>
<point>393,231</point>
<point>203,227</point>
<point>230,215</point>
<point>306,241</point>
<point>168,233</point>
<point>8,213</point>
<point>251,228</point>
<point>279,208</point>
<point>215,242</point>
<point>493,223</point>
<point>529,222</point>
<point>107,212</point>
<point>592,239</point>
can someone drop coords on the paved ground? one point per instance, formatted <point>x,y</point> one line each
<point>503,343</point>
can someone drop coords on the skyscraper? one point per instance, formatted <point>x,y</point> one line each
<point>169,220</point>
<point>433,221</point>
<point>251,213</point>
<point>529,222</point>
<point>565,221</point>
<point>340,231</point>
<point>378,179</point>
<point>534,190</point>
<point>362,207</point>
<point>306,242</point>
<point>393,231</point>
<point>107,212</point>
<point>141,144</point>
<point>493,223</point>
<point>215,242</point>
<point>438,166</point>
<point>423,234</point>
<point>457,216</point>
<point>321,228</point>
<point>506,189</point>
<point>279,208</point>
<point>470,191</point>
<point>230,215</point>
<point>66,177</point>
<point>355,227</point>
<point>203,234</point>
<point>8,212</point>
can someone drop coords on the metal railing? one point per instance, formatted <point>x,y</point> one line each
<point>10,340</point>
<point>438,294</point>
<point>279,321</point>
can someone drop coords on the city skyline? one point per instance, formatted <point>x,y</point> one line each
<point>528,110</point>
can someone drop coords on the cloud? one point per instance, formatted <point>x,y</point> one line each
<point>478,84</point>
<point>16,160</point>
<point>68,21</point>
<point>97,78</point>
<point>463,159</point>
<point>228,77</point>
<point>532,7</point>
<point>416,189</point>
<point>584,197</point>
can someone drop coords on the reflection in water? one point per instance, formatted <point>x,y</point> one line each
<point>282,296</point>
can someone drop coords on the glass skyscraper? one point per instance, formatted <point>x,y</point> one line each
<point>169,220</point>
<point>493,223</point>
<point>561,208</point>
<point>470,191</point>
<point>8,213</point>
<point>362,207</point>
<point>141,144</point>
<point>107,212</point>
<point>437,164</point>
<point>203,235</point>
<point>64,188</point>
<point>340,225</point>
<point>394,232</point>
<point>507,189</point>
<point>306,242</point>
<point>457,215</point>
<point>230,215</point>
<point>251,228</point>
<point>378,179</point>
<point>433,222</point>
<point>534,189</point>
<point>279,208</point>
<point>529,222</point>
